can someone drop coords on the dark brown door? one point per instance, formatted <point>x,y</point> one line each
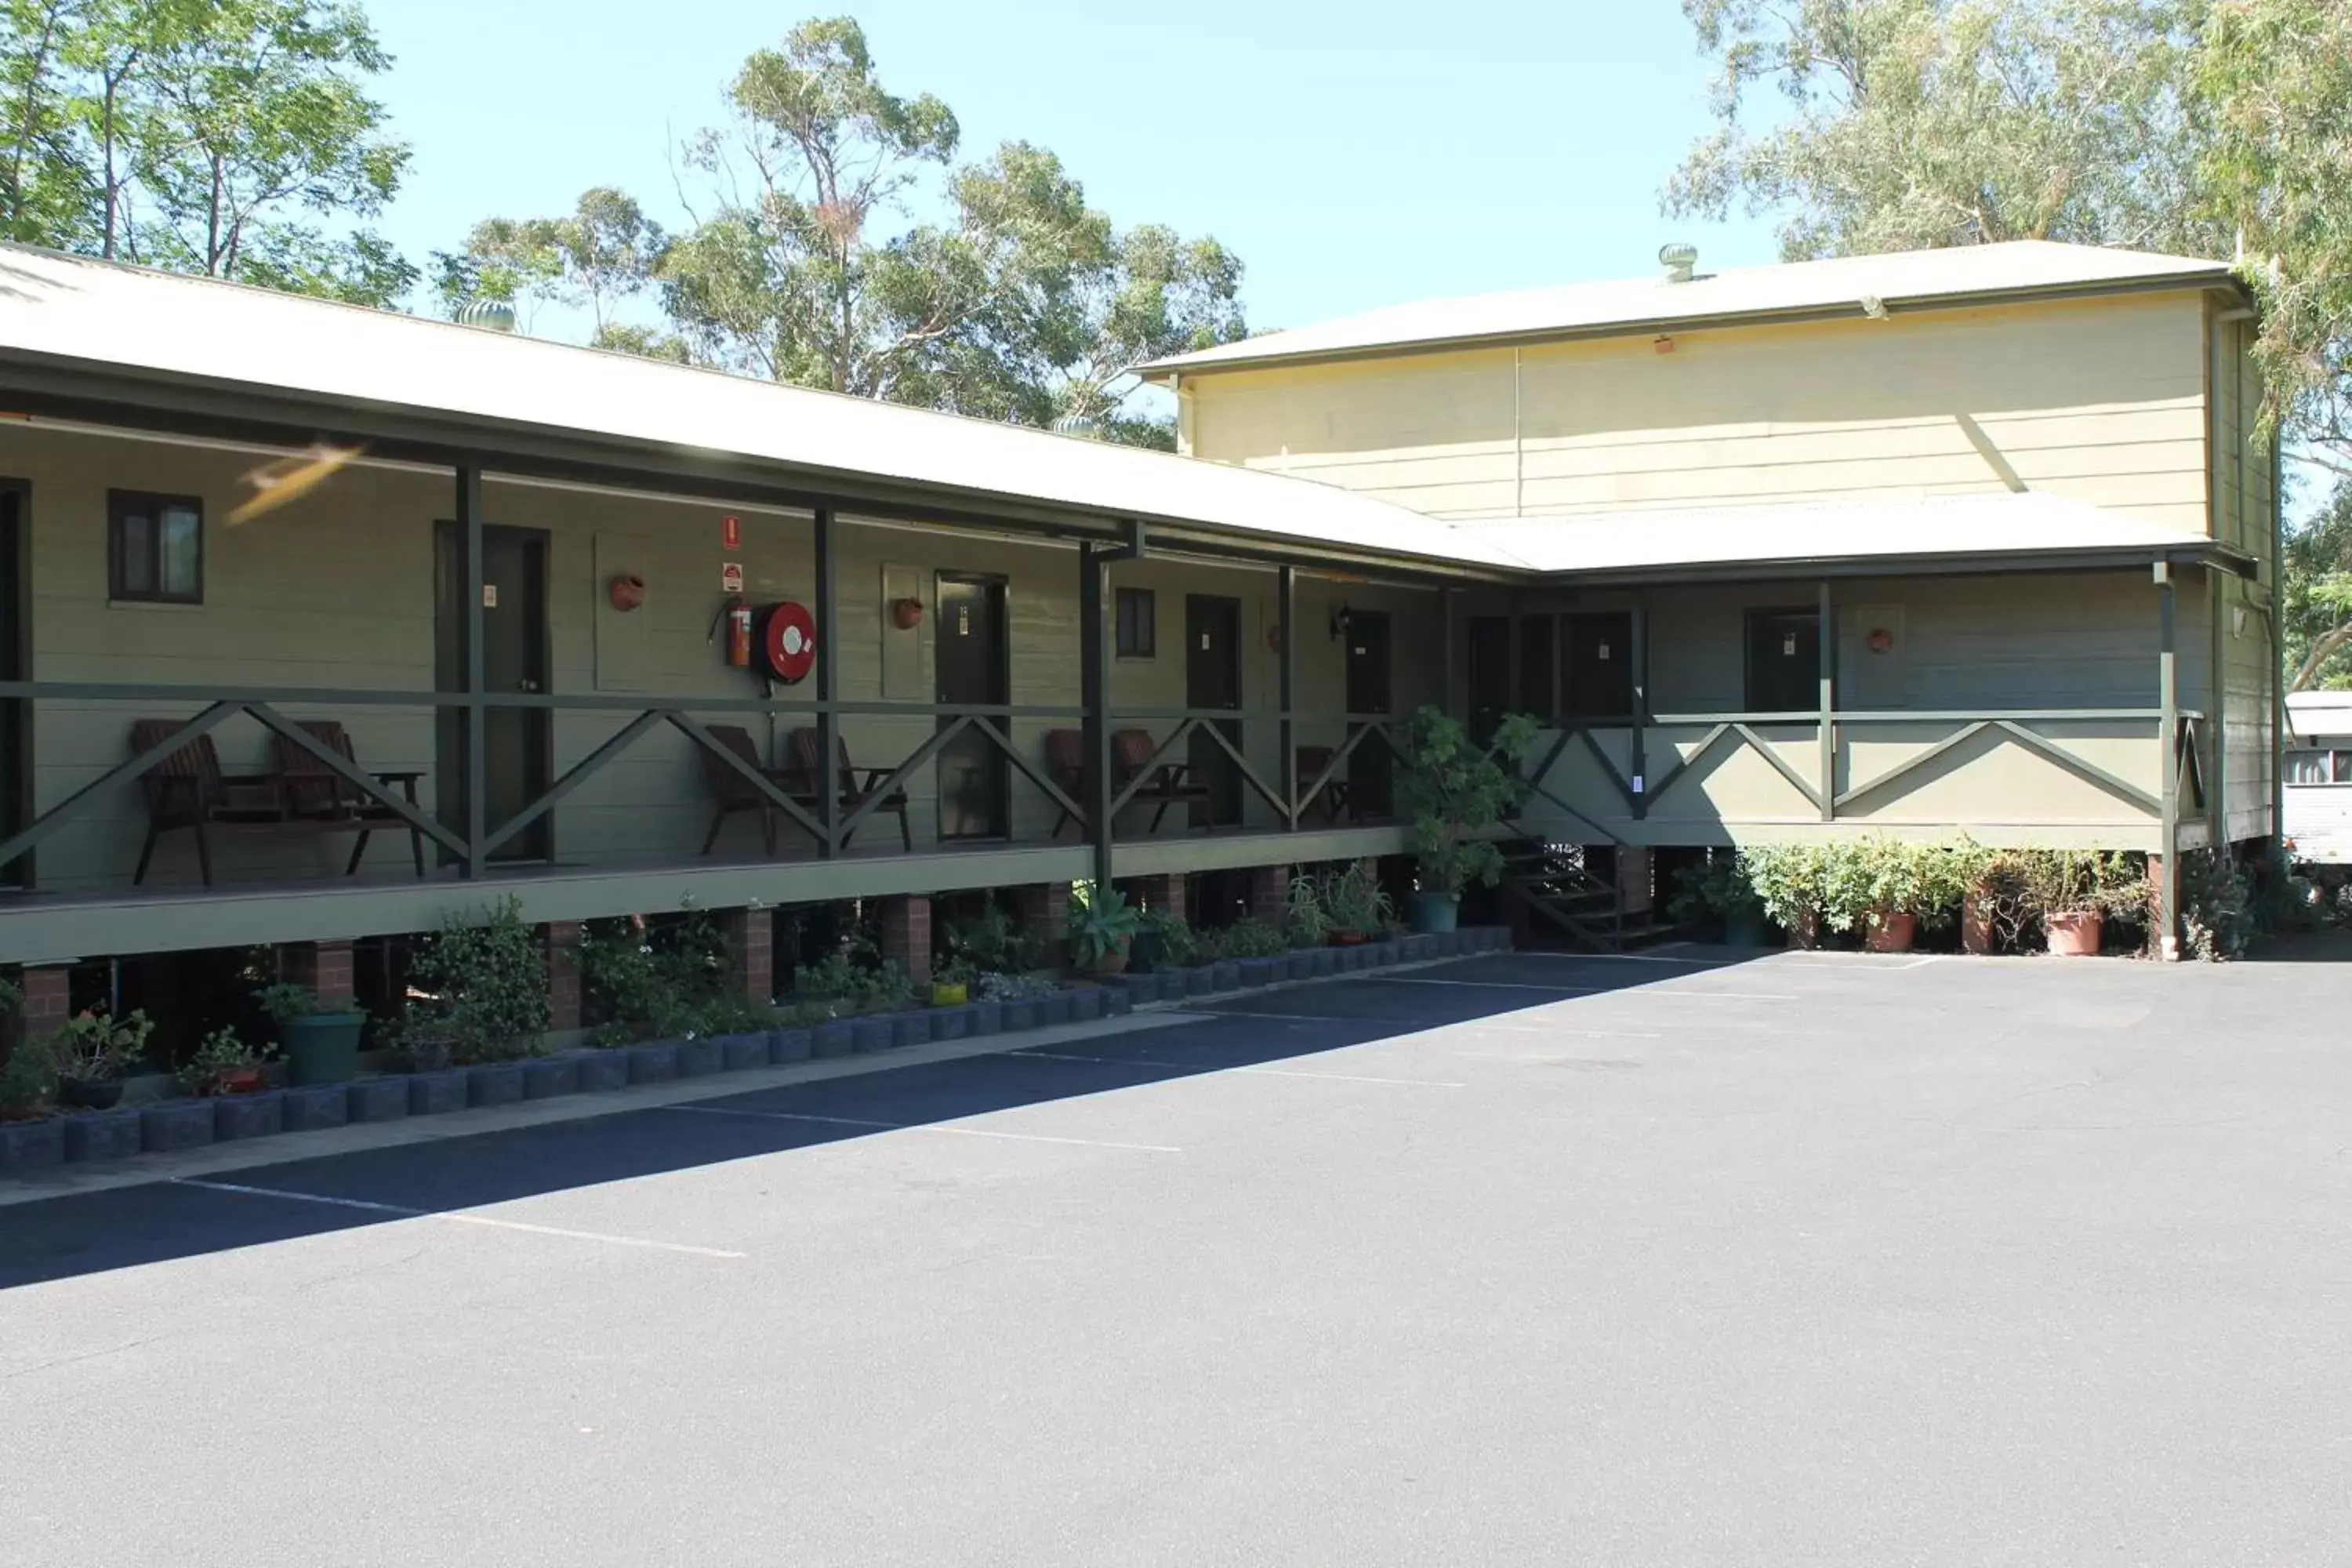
<point>1784,661</point>
<point>1601,666</point>
<point>1371,765</point>
<point>1213,680</point>
<point>15,661</point>
<point>1539,664</point>
<point>970,653</point>
<point>517,742</point>
<point>1490,675</point>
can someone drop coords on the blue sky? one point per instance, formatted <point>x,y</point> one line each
<point>1353,155</point>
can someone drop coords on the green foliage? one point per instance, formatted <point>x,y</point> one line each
<point>27,1081</point>
<point>2082,882</point>
<point>641,982</point>
<point>1457,793</point>
<point>1789,880</point>
<point>1305,914</point>
<point>93,1047</point>
<point>234,138</point>
<point>1010,299</point>
<point>994,940</point>
<point>1717,887</point>
<point>1248,937</point>
<point>2217,906</point>
<point>2315,577</point>
<point>854,987</point>
<point>486,982</point>
<point>1178,940</point>
<point>1101,924</point>
<point>12,997</point>
<point>222,1053</point>
<point>1356,901</point>
<point>996,987</point>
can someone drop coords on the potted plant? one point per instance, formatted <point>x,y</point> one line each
<point>1890,879</point>
<point>2076,891</point>
<point>91,1054</point>
<point>1166,941</point>
<point>226,1065</point>
<point>1102,924</point>
<point>952,982</point>
<point>1457,794</point>
<point>1718,890</point>
<point>1789,880</point>
<point>322,1040</point>
<point>1359,908</point>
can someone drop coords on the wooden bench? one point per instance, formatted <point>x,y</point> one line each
<point>808,746</point>
<point>188,789</point>
<point>1130,753</point>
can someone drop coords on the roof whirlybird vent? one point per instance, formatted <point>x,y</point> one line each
<point>1679,259</point>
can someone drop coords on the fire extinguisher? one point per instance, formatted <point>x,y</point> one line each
<point>737,616</point>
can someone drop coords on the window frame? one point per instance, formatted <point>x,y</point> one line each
<point>1146,645</point>
<point>121,505</point>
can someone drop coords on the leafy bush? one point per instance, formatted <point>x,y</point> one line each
<point>1717,887</point>
<point>2217,906</point>
<point>1304,914</point>
<point>1178,940</point>
<point>993,939</point>
<point>1789,880</point>
<point>28,1080</point>
<point>222,1053</point>
<point>852,986</point>
<point>651,982</point>
<point>1357,903</point>
<point>1248,937</point>
<point>997,986</point>
<point>486,982</point>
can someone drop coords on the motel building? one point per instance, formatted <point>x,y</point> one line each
<point>1976,540</point>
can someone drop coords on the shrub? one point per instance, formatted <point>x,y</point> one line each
<point>1101,924</point>
<point>94,1047</point>
<point>1248,937</point>
<point>1178,940</point>
<point>651,982</point>
<point>1304,914</point>
<point>993,939</point>
<point>2217,906</point>
<point>222,1052</point>
<point>487,980</point>
<point>1357,902</point>
<point>1719,888</point>
<point>1789,881</point>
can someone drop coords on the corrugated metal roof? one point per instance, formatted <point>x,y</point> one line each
<point>104,314</point>
<point>1897,278</point>
<point>2003,523</point>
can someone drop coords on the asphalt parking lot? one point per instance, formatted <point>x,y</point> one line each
<point>1519,1259</point>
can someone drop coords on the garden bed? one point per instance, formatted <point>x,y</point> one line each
<point>89,1137</point>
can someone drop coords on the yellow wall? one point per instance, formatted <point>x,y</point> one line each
<point>2098,400</point>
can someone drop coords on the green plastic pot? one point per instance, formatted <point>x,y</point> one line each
<point>323,1048</point>
<point>1435,913</point>
<point>1746,928</point>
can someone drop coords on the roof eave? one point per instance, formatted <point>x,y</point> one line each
<point>1944,563</point>
<point>134,397</point>
<point>2217,276</point>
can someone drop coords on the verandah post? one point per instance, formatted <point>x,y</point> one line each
<point>828,718</point>
<point>1094,699</point>
<point>1826,635</point>
<point>1286,605</point>
<point>2167,696</point>
<point>477,767</point>
<point>1637,758</point>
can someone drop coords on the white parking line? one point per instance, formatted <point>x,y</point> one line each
<point>918,1127</point>
<point>454,1218</point>
<point>1644,992</point>
<point>1284,1017</point>
<point>1263,1072</point>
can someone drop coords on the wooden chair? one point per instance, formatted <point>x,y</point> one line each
<point>188,789</point>
<point>1130,753</point>
<point>809,766</point>
<point>733,791</point>
<point>1311,762</point>
<point>317,794</point>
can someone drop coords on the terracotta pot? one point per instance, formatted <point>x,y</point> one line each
<point>1976,926</point>
<point>1112,962</point>
<point>236,1080</point>
<point>627,592</point>
<point>1347,939</point>
<point>1805,932</point>
<point>1890,932</point>
<point>906,614</point>
<point>2074,933</point>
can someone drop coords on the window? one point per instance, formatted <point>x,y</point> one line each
<point>1138,637</point>
<point>2319,767</point>
<point>155,548</point>
<point>1784,661</point>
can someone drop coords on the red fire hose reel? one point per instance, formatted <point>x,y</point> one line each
<point>787,638</point>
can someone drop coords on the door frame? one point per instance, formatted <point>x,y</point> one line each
<point>1002,674</point>
<point>16,806</point>
<point>542,832</point>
